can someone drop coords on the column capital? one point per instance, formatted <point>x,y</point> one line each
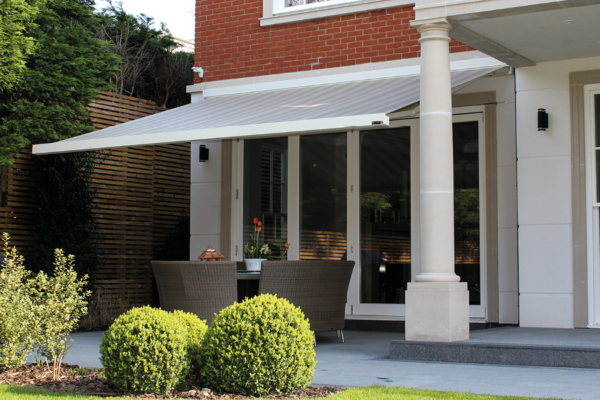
<point>433,28</point>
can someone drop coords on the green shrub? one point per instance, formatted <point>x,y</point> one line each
<point>17,310</point>
<point>196,331</point>
<point>262,345</point>
<point>38,312</point>
<point>145,351</point>
<point>60,303</point>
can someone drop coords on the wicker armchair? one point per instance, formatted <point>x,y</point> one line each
<point>319,288</point>
<point>202,288</point>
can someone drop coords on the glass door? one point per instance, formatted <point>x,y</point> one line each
<point>355,195</point>
<point>265,190</point>
<point>592,139</point>
<point>384,173</point>
<point>385,218</point>
<point>469,208</point>
<point>323,197</point>
<point>388,199</point>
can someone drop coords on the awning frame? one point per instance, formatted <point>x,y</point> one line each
<point>314,126</point>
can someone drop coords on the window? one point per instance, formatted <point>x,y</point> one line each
<point>294,5</point>
<point>265,190</point>
<point>277,12</point>
<point>385,215</point>
<point>323,196</point>
<point>467,233</point>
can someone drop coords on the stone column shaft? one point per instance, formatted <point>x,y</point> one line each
<point>437,304</point>
<point>437,167</point>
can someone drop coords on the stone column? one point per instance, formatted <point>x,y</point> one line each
<point>437,304</point>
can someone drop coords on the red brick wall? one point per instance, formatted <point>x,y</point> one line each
<point>230,43</point>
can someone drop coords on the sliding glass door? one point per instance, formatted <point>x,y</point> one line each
<point>355,195</point>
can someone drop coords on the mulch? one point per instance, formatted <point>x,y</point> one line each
<point>92,382</point>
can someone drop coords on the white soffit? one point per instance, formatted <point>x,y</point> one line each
<point>312,109</point>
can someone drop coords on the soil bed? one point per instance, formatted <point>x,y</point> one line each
<point>92,382</point>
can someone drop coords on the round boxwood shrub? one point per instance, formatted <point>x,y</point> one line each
<point>196,330</point>
<point>262,345</point>
<point>145,351</point>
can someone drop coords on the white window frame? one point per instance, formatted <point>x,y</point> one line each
<point>377,311</point>
<point>275,12</point>
<point>478,313</point>
<point>592,208</point>
<point>280,7</point>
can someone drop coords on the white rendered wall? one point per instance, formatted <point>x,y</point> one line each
<point>205,203</point>
<point>544,193</point>
<point>508,267</point>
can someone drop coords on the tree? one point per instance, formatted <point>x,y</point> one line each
<point>151,69</point>
<point>171,74</point>
<point>16,16</point>
<point>69,67</point>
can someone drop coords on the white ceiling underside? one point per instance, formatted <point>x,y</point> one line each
<point>540,36</point>
<point>313,109</point>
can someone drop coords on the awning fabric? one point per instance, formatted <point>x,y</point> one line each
<point>311,109</point>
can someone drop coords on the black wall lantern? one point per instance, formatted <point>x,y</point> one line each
<point>542,119</point>
<point>203,153</point>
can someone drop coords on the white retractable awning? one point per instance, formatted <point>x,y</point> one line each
<point>311,109</point>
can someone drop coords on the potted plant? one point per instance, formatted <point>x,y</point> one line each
<point>258,251</point>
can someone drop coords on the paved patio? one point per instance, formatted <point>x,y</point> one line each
<point>364,360</point>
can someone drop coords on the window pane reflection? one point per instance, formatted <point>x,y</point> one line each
<point>323,176</point>
<point>265,190</point>
<point>466,207</point>
<point>385,215</point>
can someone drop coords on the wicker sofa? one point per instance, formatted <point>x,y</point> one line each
<point>202,288</point>
<point>319,288</point>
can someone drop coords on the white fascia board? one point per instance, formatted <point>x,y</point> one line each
<point>322,125</point>
<point>414,70</point>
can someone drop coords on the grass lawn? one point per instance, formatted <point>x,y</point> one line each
<point>373,392</point>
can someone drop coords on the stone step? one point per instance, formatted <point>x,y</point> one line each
<point>497,353</point>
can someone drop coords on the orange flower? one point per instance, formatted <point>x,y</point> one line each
<point>259,224</point>
<point>258,229</point>
<point>287,245</point>
<point>255,221</point>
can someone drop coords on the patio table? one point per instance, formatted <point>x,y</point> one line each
<point>248,275</point>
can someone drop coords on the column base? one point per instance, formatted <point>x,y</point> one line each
<point>437,311</point>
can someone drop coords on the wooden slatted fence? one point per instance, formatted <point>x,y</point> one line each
<point>142,194</point>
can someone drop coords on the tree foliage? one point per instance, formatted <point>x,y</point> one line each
<point>16,17</point>
<point>69,67</point>
<point>77,54</point>
<point>150,67</point>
